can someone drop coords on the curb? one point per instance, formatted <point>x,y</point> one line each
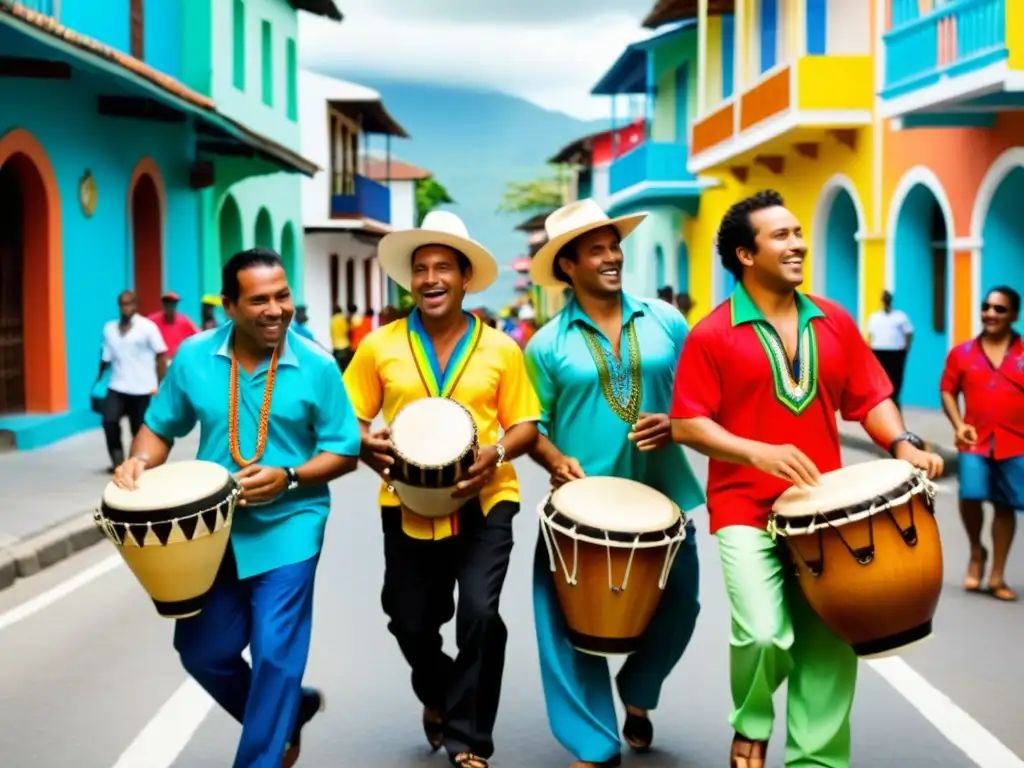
<point>43,550</point>
<point>950,457</point>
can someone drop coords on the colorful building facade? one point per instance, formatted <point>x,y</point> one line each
<point>110,151</point>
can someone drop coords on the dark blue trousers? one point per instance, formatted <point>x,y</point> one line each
<point>272,613</point>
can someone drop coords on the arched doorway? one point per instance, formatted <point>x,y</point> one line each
<point>1003,235</point>
<point>230,229</point>
<point>841,258</point>
<point>264,230</point>
<point>659,268</point>
<point>921,259</point>
<point>147,243</point>
<point>288,253</point>
<point>33,359</point>
<point>682,269</point>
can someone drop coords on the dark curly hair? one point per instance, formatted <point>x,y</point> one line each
<point>736,231</point>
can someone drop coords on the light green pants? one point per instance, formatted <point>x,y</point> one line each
<point>775,635</point>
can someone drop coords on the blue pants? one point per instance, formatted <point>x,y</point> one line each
<point>273,614</point>
<point>983,478</point>
<point>577,686</point>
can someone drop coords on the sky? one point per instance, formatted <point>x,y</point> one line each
<point>551,52</point>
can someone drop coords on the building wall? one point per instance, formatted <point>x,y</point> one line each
<point>667,60</point>
<point>403,204</point>
<point>319,249</point>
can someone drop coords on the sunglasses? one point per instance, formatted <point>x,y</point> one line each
<point>999,309</point>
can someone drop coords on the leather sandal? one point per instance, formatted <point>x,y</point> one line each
<point>1002,592</point>
<point>638,731</point>
<point>747,753</point>
<point>469,760</point>
<point>433,728</point>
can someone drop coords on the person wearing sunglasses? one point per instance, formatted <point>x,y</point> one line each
<point>988,371</point>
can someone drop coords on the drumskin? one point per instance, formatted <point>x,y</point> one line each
<point>578,419</point>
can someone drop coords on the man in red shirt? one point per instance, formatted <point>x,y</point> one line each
<point>989,372</point>
<point>174,326</point>
<point>756,390</point>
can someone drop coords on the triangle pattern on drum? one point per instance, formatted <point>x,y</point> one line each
<point>163,531</point>
<point>188,526</point>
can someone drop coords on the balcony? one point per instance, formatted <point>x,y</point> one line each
<point>356,196</point>
<point>791,105</point>
<point>955,65</point>
<point>651,173</point>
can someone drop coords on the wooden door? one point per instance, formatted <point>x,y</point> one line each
<point>12,350</point>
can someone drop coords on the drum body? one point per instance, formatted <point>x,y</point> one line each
<point>611,543</point>
<point>173,531</point>
<point>435,442</point>
<point>866,550</point>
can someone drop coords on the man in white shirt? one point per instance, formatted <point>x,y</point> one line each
<point>135,351</point>
<point>889,334</point>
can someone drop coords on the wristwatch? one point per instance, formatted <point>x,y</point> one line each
<point>501,455</point>
<point>293,479</point>
<point>908,437</point>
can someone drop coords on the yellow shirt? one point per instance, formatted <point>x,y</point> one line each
<point>339,332</point>
<point>494,387</point>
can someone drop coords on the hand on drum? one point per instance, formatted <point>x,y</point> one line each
<point>787,462</point>
<point>261,484</point>
<point>567,470</point>
<point>479,474</point>
<point>929,463</point>
<point>128,472</point>
<point>376,452</point>
<point>652,431</point>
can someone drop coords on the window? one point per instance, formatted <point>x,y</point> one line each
<point>238,43</point>
<point>268,64</point>
<point>136,33</point>
<point>292,64</point>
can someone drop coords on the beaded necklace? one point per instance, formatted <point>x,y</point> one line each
<point>261,434</point>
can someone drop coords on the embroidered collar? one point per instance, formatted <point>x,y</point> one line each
<point>440,383</point>
<point>744,310</point>
<point>630,309</point>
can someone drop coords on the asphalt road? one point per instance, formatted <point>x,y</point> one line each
<point>88,678</point>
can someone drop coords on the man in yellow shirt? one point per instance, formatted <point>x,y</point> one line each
<point>425,558</point>
<point>340,342</point>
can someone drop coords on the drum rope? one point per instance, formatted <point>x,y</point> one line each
<point>629,563</point>
<point>553,548</point>
<point>670,558</point>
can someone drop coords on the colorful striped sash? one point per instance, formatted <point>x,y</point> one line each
<point>440,383</point>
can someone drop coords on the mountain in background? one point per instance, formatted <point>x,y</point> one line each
<point>475,142</point>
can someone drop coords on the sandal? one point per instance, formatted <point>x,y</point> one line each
<point>313,701</point>
<point>972,583</point>
<point>433,728</point>
<point>469,760</point>
<point>1002,592</point>
<point>747,753</point>
<point>638,731</point>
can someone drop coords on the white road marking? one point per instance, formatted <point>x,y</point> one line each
<point>959,728</point>
<point>51,596</point>
<point>171,729</point>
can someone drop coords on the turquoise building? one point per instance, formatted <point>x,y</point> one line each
<point>116,162</point>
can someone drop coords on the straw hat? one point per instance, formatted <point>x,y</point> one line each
<point>438,228</point>
<point>569,222</point>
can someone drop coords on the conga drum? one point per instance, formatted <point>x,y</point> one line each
<point>866,551</point>
<point>434,441</point>
<point>173,531</point>
<point>614,541</point>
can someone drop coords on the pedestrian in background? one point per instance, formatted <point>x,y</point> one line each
<point>889,334</point>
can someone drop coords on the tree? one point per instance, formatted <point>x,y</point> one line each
<point>430,193</point>
<point>534,196</point>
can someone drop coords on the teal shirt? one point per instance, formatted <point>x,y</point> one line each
<point>310,414</point>
<point>576,415</point>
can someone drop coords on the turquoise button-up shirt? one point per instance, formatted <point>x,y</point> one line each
<point>310,414</point>
<point>576,415</point>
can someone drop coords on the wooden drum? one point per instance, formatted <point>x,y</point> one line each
<point>866,550</point>
<point>615,541</point>
<point>173,531</point>
<point>435,443</point>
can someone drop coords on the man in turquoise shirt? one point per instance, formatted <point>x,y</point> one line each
<point>294,432</point>
<point>604,370</point>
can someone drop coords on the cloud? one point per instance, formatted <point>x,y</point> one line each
<point>551,52</point>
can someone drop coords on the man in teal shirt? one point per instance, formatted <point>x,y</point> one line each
<point>294,431</point>
<point>604,369</point>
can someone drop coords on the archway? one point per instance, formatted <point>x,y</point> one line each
<point>33,358</point>
<point>147,243</point>
<point>920,249</point>
<point>264,230</point>
<point>230,229</point>
<point>1002,235</point>
<point>288,254</point>
<point>659,268</point>
<point>841,260</point>
<point>682,269</point>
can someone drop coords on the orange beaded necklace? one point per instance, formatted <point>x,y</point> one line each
<point>261,434</point>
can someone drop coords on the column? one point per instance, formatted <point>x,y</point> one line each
<point>702,58</point>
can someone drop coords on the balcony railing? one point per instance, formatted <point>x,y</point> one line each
<point>651,161</point>
<point>948,41</point>
<point>356,195</point>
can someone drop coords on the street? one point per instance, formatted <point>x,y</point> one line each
<point>88,677</point>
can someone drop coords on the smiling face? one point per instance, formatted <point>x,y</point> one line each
<point>780,250</point>
<point>997,314</point>
<point>440,276</point>
<point>596,267</point>
<point>264,306</point>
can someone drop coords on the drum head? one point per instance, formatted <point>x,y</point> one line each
<point>845,488</point>
<point>433,432</point>
<point>616,505</point>
<point>169,486</point>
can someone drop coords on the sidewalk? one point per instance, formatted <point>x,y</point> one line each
<point>932,426</point>
<point>47,497</point>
